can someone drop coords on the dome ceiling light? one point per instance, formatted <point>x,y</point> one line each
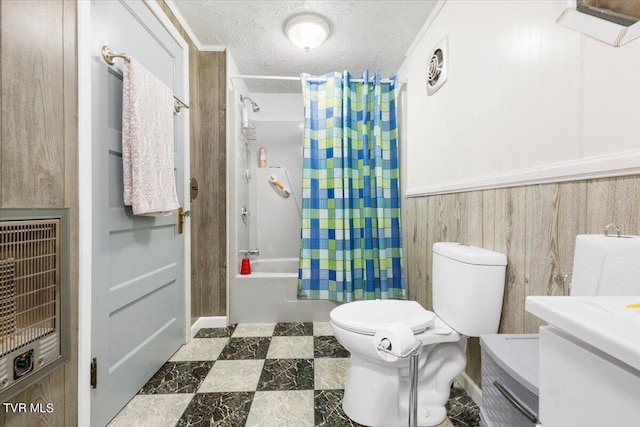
<point>307,31</point>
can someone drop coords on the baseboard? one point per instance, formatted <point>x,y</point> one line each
<point>472,389</point>
<point>208,322</point>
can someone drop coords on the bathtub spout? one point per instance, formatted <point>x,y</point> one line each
<point>247,252</point>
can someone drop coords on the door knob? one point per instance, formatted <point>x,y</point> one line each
<point>181,216</point>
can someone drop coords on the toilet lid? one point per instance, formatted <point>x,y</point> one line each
<point>368,317</point>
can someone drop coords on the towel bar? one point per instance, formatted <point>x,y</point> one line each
<point>109,56</point>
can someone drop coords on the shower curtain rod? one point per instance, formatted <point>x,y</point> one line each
<point>292,78</point>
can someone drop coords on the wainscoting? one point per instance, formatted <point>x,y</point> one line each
<point>39,158</point>
<point>207,96</point>
<point>535,226</point>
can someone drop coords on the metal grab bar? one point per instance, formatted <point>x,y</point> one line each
<point>109,56</point>
<point>414,353</point>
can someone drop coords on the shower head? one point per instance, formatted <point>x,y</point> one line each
<point>255,107</point>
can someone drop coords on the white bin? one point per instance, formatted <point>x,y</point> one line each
<point>509,380</point>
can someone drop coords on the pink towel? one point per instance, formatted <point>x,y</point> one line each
<point>147,143</point>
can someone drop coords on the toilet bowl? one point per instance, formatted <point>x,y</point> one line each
<point>377,391</point>
<point>468,284</point>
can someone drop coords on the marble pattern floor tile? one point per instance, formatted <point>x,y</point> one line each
<point>328,409</point>
<point>329,413</point>
<point>330,372</point>
<point>152,410</point>
<point>322,328</point>
<point>328,346</point>
<point>282,409</point>
<point>293,329</point>
<point>177,377</point>
<point>217,409</point>
<point>246,348</point>
<point>225,332</point>
<point>254,330</point>
<point>226,386</point>
<point>447,423</point>
<point>200,349</point>
<point>462,410</point>
<point>232,375</point>
<point>291,348</point>
<point>286,374</point>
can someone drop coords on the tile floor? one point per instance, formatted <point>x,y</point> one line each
<point>259,374</point>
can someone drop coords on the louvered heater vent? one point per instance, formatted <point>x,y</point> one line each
<point>33,315</point>
<point>7,298</point>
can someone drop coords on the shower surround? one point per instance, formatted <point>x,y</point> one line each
<point>272,220</point>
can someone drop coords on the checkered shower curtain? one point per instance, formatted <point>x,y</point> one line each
<point>351,246</point>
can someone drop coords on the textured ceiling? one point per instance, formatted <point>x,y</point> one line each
<point>371,35</point>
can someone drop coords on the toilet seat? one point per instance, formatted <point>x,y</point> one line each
<point>368,317</point>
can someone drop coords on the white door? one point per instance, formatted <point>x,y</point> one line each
<point>138,290</point>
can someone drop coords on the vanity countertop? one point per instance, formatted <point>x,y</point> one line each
<point>603,322</point>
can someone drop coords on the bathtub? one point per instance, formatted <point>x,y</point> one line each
<point>276,266</point>
<point>269,294</point>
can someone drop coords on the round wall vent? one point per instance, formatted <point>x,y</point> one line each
<point>437,67</point>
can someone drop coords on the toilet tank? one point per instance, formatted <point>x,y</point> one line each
<point>468,285</point>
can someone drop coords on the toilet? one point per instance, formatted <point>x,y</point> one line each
<point>468,285</point>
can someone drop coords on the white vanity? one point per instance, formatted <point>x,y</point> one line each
<point>589,369</point>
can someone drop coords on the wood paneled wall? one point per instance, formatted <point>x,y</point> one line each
<point>535,226</point>
<point>207,98</point>
<point>38,163</point>
<point>208,232</point>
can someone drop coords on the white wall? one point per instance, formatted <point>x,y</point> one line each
<point>238,187</point>
<point>273,226</point>
<point>275,220</point>
<point>279,106</point>
<point>526,100</point>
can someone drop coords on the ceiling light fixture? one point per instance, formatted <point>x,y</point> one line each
<point>307,31</point>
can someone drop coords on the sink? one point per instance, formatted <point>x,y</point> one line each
<point>601,321</point>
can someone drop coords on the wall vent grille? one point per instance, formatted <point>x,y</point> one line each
<point>7,297</point>
<point>33,296</point>
<point>437,67</point>
<point>29,281</point>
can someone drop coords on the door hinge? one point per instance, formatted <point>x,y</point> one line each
<point>94,373</point>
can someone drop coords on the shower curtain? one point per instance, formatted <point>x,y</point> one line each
<point>351,247</point>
